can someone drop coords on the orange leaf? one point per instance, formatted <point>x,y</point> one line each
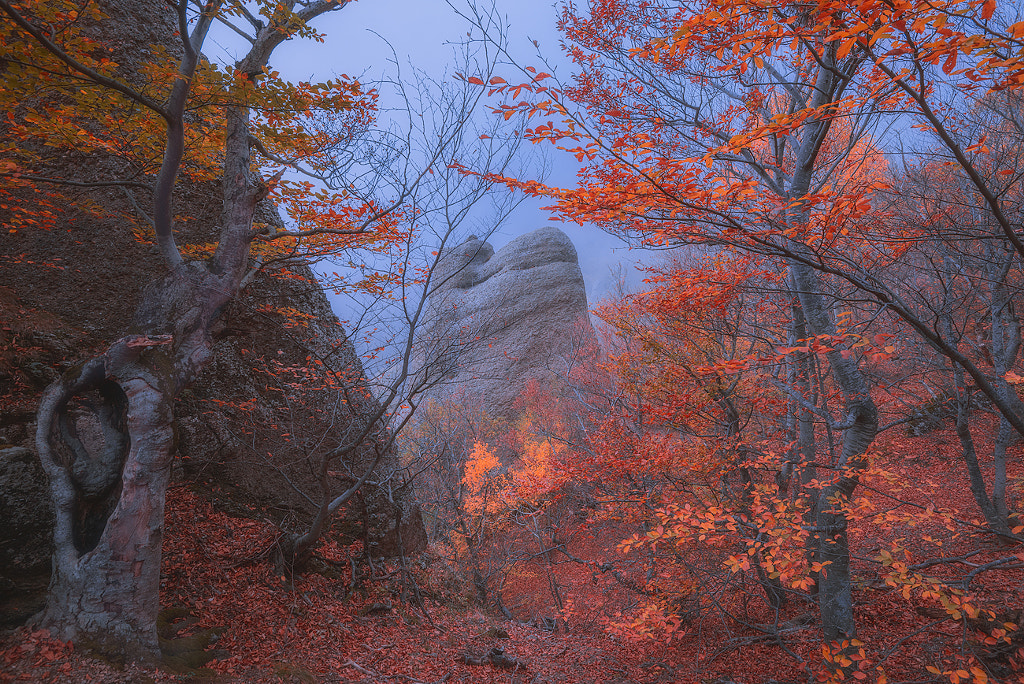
<point>845,48</point>
<point>950,63</point>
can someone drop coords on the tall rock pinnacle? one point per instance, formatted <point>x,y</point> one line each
<point>500,319</point>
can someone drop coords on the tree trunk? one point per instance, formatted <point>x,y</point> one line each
<point>106,440</point>
<point>1006,343</point>
<point>996,522</point>
<point>835,596</point>
<point>108,471</point>
<point>1004,437</point>
<point>105,431</point>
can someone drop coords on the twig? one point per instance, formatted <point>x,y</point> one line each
<point>381,649</point>
<point>966,523</point>
<point>407,678</point>
<point>78,184</point>
<point>889,652</point>
<point>356,666</point>
<point>966,581</point>
<point>738,642</point>
<point>943,561</point>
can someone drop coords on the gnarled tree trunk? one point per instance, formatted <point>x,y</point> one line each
<point>106,440</point>
<point>105,432</point>
<point>106,565</point>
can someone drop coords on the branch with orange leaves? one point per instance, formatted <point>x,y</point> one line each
<point>80,68</point>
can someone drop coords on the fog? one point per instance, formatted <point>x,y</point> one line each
<point>376,38</point>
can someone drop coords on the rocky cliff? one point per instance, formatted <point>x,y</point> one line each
<point>516,313</point>
<point>248,429</point>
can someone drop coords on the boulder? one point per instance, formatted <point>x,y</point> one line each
<point>70,291</point>
<point>25,536</point>
<point>501,319</point>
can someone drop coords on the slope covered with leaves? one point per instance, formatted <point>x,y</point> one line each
<point>323,627</point>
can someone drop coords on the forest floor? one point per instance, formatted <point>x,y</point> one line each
<point>318,627</point>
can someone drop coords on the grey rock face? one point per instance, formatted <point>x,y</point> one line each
<point>500,319</point>
<point>254,432</point>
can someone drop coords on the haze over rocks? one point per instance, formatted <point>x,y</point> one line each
<point>514,313</point>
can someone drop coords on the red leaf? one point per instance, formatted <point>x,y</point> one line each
<point>950,63</point>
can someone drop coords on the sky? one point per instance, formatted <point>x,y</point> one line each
<point>367,35</point>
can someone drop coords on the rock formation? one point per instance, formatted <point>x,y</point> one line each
<point>514,313</point>
<point>72,290</point>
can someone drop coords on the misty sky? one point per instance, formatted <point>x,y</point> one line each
<point>358,39</point>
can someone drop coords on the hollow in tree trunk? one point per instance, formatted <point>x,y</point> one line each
<point>106,440</point>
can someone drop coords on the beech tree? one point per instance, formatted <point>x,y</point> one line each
<point>438,446</point>
<point>108,486</point>
<point>758,127</point>
<point>106,427</point>
<point>968,273</point>
<point>691,139</point>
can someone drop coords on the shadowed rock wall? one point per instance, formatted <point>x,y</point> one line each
<point>70,291</point>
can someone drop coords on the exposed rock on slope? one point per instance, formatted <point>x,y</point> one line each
<point>514,312</point>
<point>25,536</point>
<point>243,436</point>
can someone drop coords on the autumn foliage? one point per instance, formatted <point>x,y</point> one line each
<point>755,376</point>
<point>796,455</point>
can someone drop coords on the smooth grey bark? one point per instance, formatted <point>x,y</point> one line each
<point>835,596</point>
<point>962,394</point>
<point>1006,343</point>
<point>1004,349</point>
<point>105,431</point>
<point>1002,353</point>
<point>995,521</point>
<point>979,489</point>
